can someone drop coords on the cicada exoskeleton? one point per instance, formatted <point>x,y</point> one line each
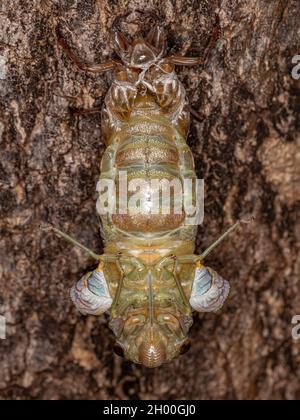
<point>149,279</point>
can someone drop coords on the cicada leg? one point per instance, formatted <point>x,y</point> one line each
<point>196,61</point>
<point>208,289</point>
<point>120,285</point>
<point>195,258</point>
<point>82,111</point>
<point>160,267</point>
<point>93,68</point>
<point>199,117</point>
<point>71,240</point>
<point>97,292</point>
<point>91,294</point>
<point>121,95</point>
<point>222,237</point>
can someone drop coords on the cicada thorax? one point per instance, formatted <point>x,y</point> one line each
<point>150,322</point>
<point>151,317</point>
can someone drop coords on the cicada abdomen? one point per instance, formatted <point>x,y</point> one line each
<point>149,279</point>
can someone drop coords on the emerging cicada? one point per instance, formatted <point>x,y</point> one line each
<point>148,279</point>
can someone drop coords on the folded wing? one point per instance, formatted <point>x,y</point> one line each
<point>91,294</point>
<point>209,290</point>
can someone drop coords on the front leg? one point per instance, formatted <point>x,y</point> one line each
<point>206,291</point>
<point>93,68</point>
<point>170,94</point>
<point>98,291</point>
<point>199,61</point>
<point>209,289</point>
<point>119,101</point>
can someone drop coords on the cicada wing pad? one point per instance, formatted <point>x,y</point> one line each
<point>91,294</point>
<point>209,290</point>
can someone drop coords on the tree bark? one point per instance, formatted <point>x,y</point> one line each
<point>247,151</point>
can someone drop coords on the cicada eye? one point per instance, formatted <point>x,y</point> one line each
<point>185,347</point>
<point>119,350</point>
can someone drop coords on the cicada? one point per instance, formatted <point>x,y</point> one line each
<point>149,279</point>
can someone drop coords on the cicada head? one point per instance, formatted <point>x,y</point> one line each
<point>153,344</point>
<point>142,52</point>
<point>152,352</point>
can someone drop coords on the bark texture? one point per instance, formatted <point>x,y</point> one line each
<point>246,149</point>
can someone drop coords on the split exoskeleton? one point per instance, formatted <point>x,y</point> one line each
<point>149,280</point>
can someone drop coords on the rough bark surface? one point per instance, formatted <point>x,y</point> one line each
<point>246,149</point>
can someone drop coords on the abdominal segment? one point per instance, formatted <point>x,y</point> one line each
<point>148,160</point>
